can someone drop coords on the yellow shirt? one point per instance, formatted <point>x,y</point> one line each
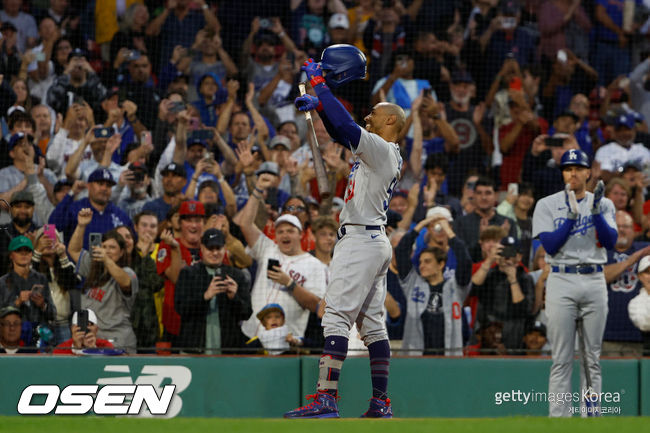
<point>106,19</point>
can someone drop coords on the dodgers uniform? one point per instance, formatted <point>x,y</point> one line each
<point>357,288</point>
<point>575,288</point>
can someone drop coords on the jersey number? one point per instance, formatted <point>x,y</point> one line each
<point>390,190</point>
<point>349,193</point>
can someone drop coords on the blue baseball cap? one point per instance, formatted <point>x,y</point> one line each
<point>193,140</point>
<point>626,120</point>
<point>101,175</point>
<point>268,308</point>
<point>15,138</point>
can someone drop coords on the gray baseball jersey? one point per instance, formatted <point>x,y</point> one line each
<point>372,179</point>
<point>569,296</point>
<point>582,245</point>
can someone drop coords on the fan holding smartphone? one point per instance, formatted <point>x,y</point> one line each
<point>84,339</point>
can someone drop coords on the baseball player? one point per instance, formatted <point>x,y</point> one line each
<point>357,289</point>
<point>576,228</point>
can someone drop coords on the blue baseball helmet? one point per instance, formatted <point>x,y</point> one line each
<point>575,157</point>
<point>343,63</point>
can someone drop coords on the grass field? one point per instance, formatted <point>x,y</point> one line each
<point>434,425</point>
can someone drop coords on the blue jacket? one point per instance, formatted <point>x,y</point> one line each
<point>64,217</point>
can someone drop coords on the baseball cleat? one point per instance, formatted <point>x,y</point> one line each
<point>379,409</point>
<point>323,406</point>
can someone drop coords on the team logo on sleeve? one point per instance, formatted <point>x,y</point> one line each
<point>162,253</point>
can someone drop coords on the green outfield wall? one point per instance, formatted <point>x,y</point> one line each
<point>266,387</point>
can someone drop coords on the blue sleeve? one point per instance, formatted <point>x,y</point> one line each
<point>62,218</point>
<point>464,266</point>
<point>348,133</point>
<point>331,130</point>
<point>606,235</point>
<point>553,241</point>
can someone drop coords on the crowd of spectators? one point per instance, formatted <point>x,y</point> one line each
<point>157,188</point>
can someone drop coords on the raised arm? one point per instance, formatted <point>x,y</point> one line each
<point>75,159</point>
<point>122,278</point>
<point>181,138</point>
<point>226,108</point>
<point>338,122</point>
<point>246,217</point>
<point>75,246</point>
<point>155,26</point>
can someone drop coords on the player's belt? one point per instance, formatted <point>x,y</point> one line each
<point>577,269</point>
<point>356,228</point>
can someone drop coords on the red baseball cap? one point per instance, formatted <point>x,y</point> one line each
<point>191,208</point>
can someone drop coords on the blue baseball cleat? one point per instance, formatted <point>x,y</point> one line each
<point>323,406</point>
<point>379,409</point>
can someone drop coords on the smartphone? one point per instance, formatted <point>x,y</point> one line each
<point>561,56</point>
<point>515,83</point>
<point>38,288</point>
<point>513,189</point>
<point>49,230</point>
<point>427,92</point>
<point>508,251</point>
<point>138,175</point>
<point>145,138</point>
<point>203,134</point>
<point>40,56</point>
<point>103,132</point>
<point>218,273</point>
<point>209,156</point>
<point>195,123</point>
<point>176,107</point>
<point>273,263</point>
<point>95,240</point>
<point>82,320</point>
<point>554,141</point>
<point>471,185</point>
<point>291,57</point>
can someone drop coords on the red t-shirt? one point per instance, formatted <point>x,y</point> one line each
<point>170,318</point>
<point>514,158</point>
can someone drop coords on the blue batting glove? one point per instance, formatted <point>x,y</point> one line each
<point>306,102</point>
<point>314,72</point>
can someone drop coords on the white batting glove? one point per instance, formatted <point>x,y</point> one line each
<point>572,202</point>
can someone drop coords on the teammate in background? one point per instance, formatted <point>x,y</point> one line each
<point>357,289</point>
<point>576,228</point>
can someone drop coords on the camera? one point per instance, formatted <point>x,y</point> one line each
<point>265,23</point>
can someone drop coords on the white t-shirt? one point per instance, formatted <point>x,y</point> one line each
<point>306,270</point>
<point>613,156</point>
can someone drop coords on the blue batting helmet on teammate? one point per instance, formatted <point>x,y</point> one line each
<point>343,63</point>
<point>575,157</point>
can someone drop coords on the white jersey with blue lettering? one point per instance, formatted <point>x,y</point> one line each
<point>372,179</point>
<point>582,245</point>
